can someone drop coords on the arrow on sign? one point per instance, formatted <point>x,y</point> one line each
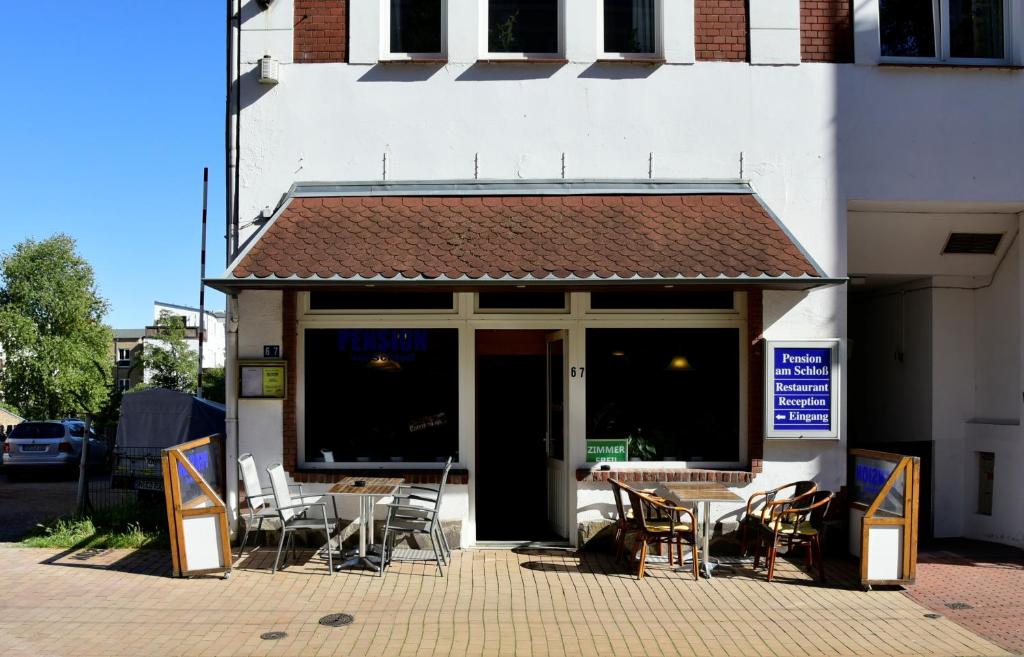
<point>780,417</point>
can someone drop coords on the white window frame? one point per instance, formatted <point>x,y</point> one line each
<point>477,310</point>
<point>485,10</point>
<point>307,309</point>
<point>385,38</point>
<point>123,384</point>
<point>124,354</point>
<point>940,26</point>
<point>659,40</point>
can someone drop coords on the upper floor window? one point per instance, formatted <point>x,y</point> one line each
<point>416,27</point>
<point>629,27</point>
<point>527,27</point>
<point>972,31</point>
<point>124,357</point>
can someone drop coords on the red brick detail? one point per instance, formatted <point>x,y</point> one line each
<point>755,380</point>
<point>455,476</point>
<point>652,475</point>
<point>321,31</point>
<point>289,428</point>
<point>541,237</point>
<point>721,30</point>
<point>826,31</point>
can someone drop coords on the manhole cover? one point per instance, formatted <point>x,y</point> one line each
<point>958,605</point>
<point>933,616</point>
<point>273,636</point>
<point>337,620</point>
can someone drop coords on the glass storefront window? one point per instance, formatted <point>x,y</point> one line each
<point>674,392</point>
<point>381,395</point>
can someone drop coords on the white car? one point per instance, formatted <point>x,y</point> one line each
<point>53,443</point>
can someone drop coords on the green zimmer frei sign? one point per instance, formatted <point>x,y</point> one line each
<point>602,451</point>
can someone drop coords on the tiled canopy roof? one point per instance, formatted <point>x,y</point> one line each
<point>523,237</point>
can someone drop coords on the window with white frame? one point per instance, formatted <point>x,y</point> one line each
<point>123,384</point>
<point>415,27</point>
<point>629,28</point>
<point>972,31</point>
<point>124,355</point>
<point>527,27</point>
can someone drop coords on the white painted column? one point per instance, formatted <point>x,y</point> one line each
<point>364,31</point>
<point>866,36</point>
<point>775,32</point>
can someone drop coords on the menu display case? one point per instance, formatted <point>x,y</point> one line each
<point>884,505</point>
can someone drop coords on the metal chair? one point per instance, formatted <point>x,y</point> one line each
<point>429,494</point>
<point>417,513</point>
<point>798,520</point>
<point>293,516</point>
<point>760,503</point>
<point>259,501</point>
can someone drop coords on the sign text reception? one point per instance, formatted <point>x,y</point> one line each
<point>802,389</point>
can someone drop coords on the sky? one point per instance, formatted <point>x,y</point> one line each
<point>108,113</point>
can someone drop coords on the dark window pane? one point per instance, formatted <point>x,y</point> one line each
<point>522,26</point>
<point>629,26</point>
<point>662,300</point>
<point>674,391</point>
<point>38,430</point>
<point>382,394</point>
<point>976,28</point>
<point>908,28</point>
<point>517,300</point>
<point>416,26</point>
<point>381,301</point>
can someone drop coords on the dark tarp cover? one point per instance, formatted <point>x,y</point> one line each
<point>161,418</point>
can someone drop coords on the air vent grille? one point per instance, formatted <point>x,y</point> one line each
<point>973,243</point>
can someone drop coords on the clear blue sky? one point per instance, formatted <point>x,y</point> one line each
<point>108,113</point>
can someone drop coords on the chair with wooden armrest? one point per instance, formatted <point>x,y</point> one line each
<point>624,520</point>
<point>658,521</point>
<point>799,520</point>
<point>759,504</point>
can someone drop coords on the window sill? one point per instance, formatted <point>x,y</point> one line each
<point>436,61</point>
<point>945,65</point>
<point>550,61</point>
<point>410,475</point>
<point>648,472</point>
<point>634,61</point>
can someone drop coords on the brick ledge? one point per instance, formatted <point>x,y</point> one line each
<point>655,475</point>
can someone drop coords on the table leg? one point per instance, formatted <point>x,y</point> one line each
<point>369,517</point>
<point>706,540</point>
<point>362,526</point>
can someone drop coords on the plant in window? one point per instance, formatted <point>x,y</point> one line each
<point>639,447</point>
<point>506,32</point>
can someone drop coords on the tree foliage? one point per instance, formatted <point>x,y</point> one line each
<point>56,348</point>
<point>213,384</point>
<point>167,360</point>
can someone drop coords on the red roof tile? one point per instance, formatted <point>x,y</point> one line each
<point>524,237</point>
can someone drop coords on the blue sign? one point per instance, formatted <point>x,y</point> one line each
<point>801,390</point>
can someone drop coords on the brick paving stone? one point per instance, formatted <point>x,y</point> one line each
<point>987,577</point>
<point>493,602</point>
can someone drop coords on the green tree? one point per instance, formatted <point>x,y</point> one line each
<point>213,384</point>
<point>167,359</point>
<point>56,348</point>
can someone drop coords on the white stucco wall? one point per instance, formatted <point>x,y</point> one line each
<point>810,138</point>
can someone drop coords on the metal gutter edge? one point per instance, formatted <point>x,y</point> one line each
<point>781,283</point>
<point>543,187</point>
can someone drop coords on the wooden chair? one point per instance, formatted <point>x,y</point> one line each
<point>795,521</point>
<point>759,504</point>
<point>658,521</point>
<point>624,520</point>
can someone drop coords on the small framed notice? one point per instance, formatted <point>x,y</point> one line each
<point>262,379</point>
<point>802,389</point>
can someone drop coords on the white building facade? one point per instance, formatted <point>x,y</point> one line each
<point>213,327</point>
<point>854,140</point>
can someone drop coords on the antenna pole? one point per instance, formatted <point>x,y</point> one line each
<point>202,287</point>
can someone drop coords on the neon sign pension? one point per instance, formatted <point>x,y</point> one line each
<point>801,394</point>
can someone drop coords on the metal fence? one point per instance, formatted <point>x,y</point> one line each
<point>136,478</point>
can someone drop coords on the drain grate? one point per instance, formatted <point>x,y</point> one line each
<point>958,605</point>
<point>933,616</point>
<point>337,620</point>
<point>273,636</point>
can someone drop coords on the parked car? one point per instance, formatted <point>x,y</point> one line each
<point>53,443</point>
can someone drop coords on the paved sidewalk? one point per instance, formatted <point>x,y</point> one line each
<point>986,577</point>
<point>527,603</point>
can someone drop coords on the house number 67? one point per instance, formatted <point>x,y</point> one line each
<point>576,371</point>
